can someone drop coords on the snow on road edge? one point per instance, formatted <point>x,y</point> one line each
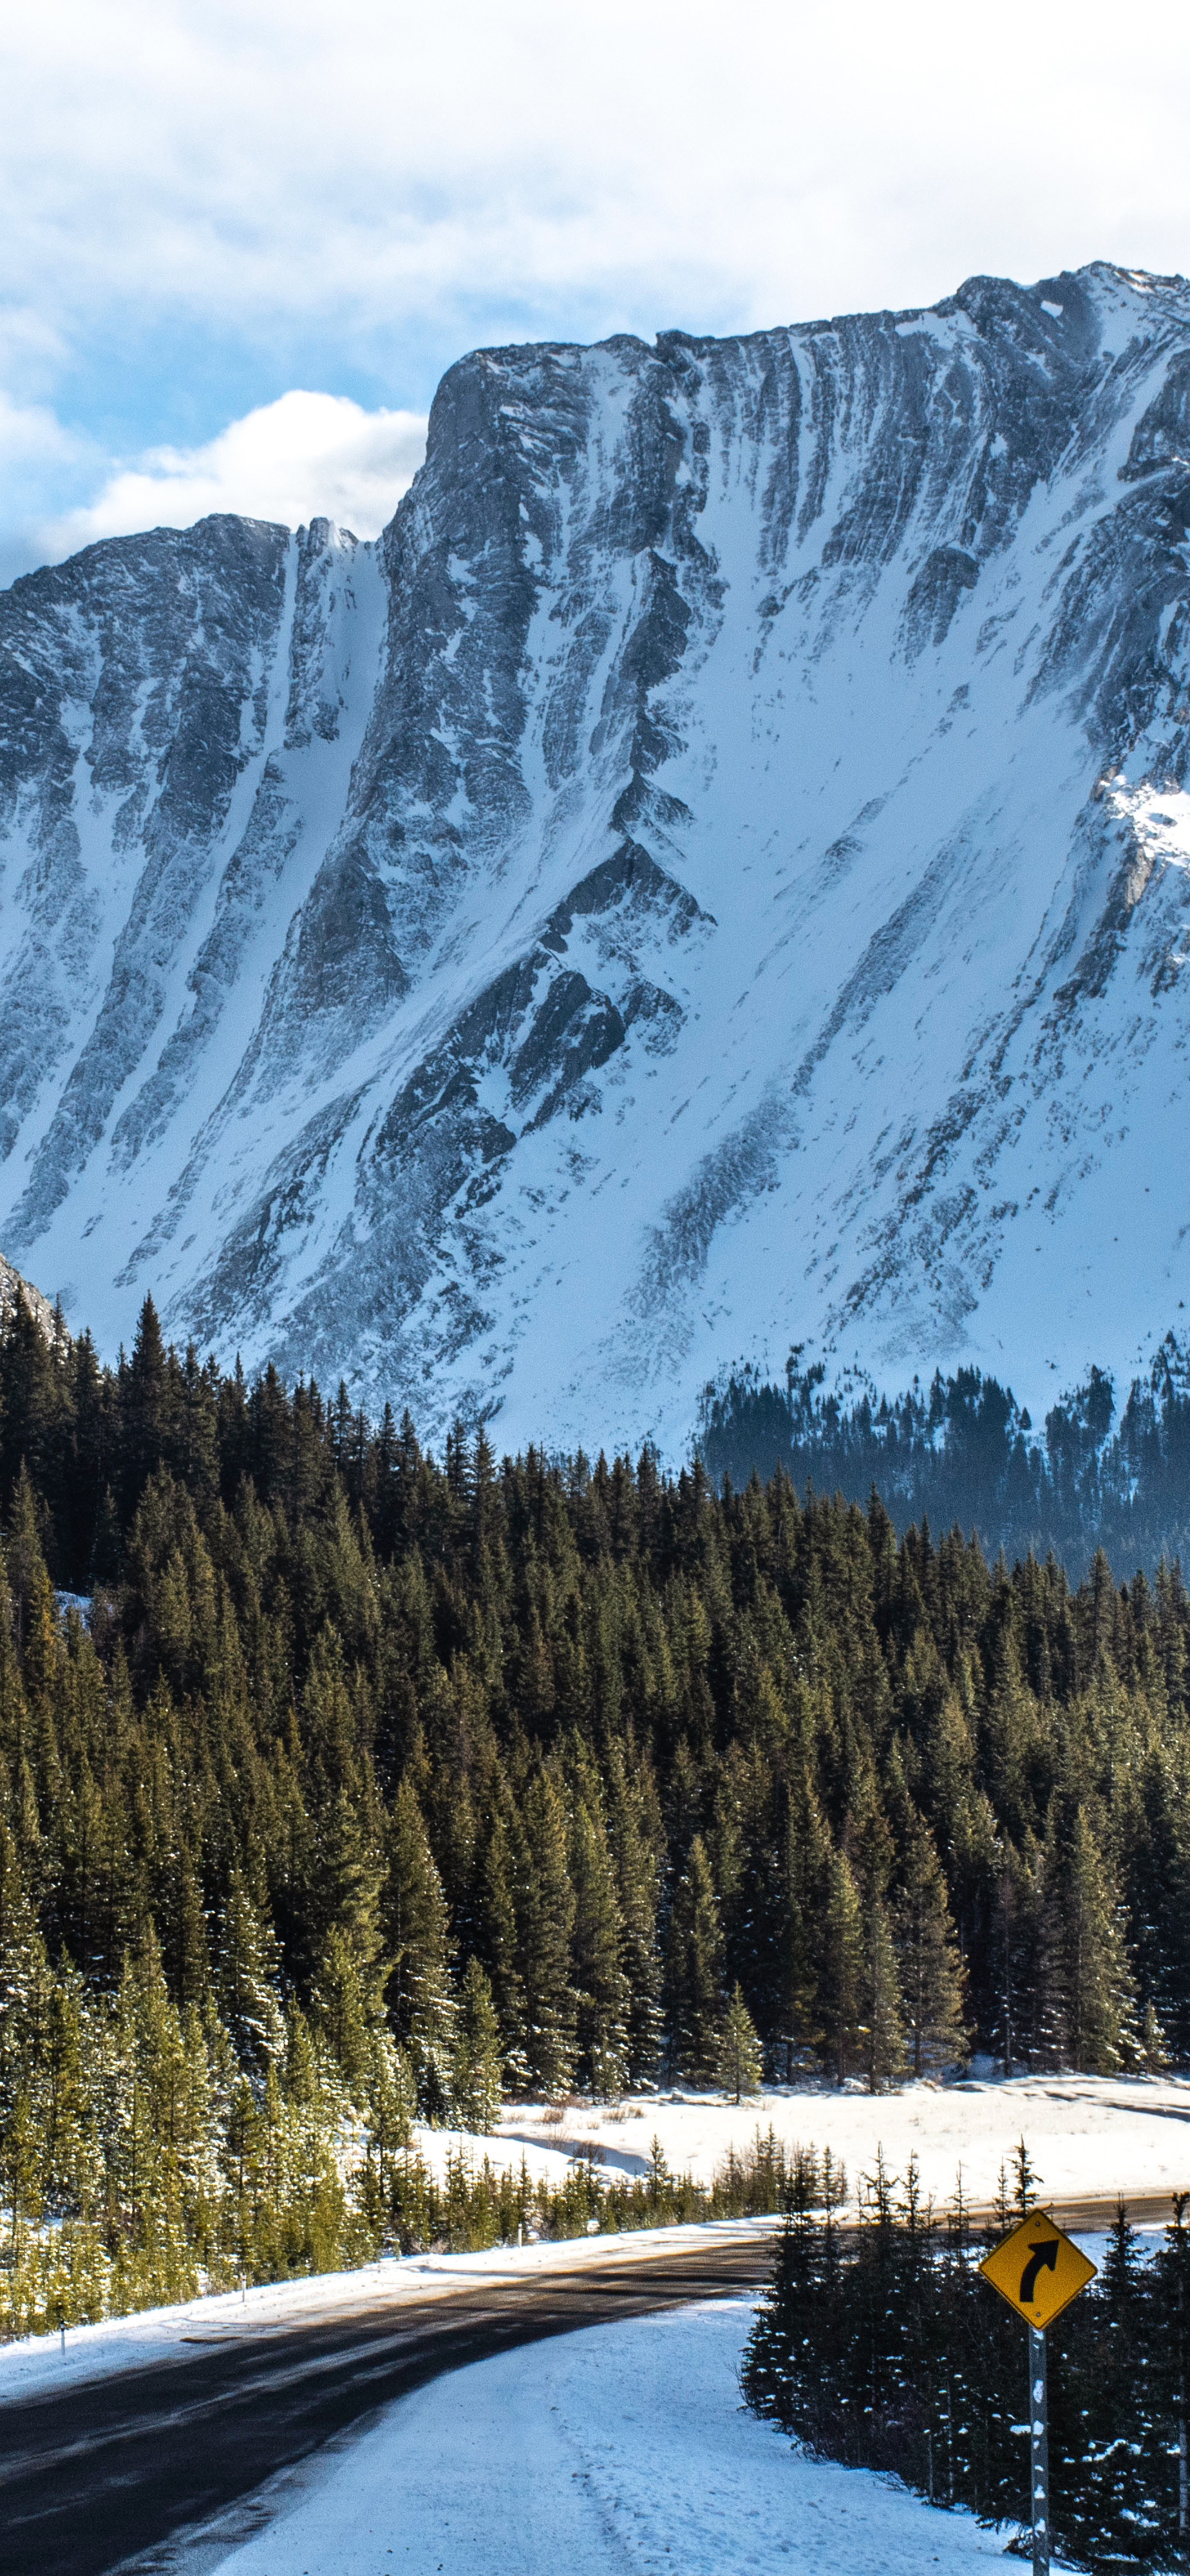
<point>618,2450</point>
<point>175,2333</point>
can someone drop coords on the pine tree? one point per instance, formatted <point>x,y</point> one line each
<point>883,2027</point>
<point>29,1599</point>
<point>602,1987</point>
<point>694,1971</point>
<point>1153,2051</point>
<point>842,1971</point>
<point>740,2059</point>
<point>546,1922</point>
<point>1100,2000</point>
<point>346,1862</point>
<point>502,1868</point>
<point>184,1932</point>
<point>1006,1967</point>
<point>345,2013</point>
<point>632,1839</point>
<point>246,1979</point>
<point>417,1939</point>
<point>928,1960</point>
<point>144,1406</point>
<point>391,2103</point>
<point>806,1876</point>
<point>1044,1993</point>
<point>475,2084</point>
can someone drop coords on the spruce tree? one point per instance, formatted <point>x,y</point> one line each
<point>1043,1989</point>
<point>842,1972</point>
<point>882,2004</point>
<point>545,1925</point>
<point>1100,2000</point>
<point>803,1879</point>
<point>632,1837</point>
<point>694,1971</point>
<point>598,1939</point>
<point>928,1960</point>
<point>344,2012</point>
<point>475,2081</point>
<point>144,1407</point>
<point>740,2059</point>
<point>246,1979</point>
<point>416,1928</point>
<point>501,1870</point>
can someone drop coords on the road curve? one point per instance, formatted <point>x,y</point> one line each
<point>94,2474</point>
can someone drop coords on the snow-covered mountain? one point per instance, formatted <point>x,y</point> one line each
<point>715,875</point>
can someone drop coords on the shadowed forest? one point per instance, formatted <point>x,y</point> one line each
<point>962,1450</point>
<point>881,2345</point>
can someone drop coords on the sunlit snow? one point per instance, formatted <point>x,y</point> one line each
<point>713,878</point>
<point>619,2448</point>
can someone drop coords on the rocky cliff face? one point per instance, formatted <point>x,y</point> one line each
<point>713,877</point>
<point>13,1286</point>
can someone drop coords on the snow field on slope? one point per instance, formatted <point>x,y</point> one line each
<point>1086,2134</point>
<point>618,2448</point>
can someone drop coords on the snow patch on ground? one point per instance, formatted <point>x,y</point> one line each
<point>1086,2133</point>
<point>617,2448</point>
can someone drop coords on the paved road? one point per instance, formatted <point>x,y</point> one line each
<point>1087,2217</point>
<point>106,2469</point>
<point>97,2473</point>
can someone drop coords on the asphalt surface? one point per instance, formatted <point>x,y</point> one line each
<point>114,2467</point>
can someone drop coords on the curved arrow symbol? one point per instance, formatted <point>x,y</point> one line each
<point>1042,2257</point>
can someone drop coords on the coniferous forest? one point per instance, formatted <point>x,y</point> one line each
<point>879,2344</point>
<point>1092,1475</point>
<point>340,1785</point>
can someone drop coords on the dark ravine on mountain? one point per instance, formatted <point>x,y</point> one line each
<point>368,1785</point>
<point>712,878</point>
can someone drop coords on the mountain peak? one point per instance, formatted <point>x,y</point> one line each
<point>711,877</point>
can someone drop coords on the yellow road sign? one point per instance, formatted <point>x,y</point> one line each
<point>1037,2269</point>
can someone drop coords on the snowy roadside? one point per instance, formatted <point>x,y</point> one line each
<point>173,2334</point>
<point>1086,2135</point>
<point>620,2450</point>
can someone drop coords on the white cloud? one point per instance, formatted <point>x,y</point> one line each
<point>375,166</point>
<point>32,436</point>
<point>268,191</point>
<point>41,462</point>
<point>306,456</point>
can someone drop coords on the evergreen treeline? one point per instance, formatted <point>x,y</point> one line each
<point>369,1785</point>
<point>964,1451</point>
<point>881,2345</point>
<point>254,2192</point>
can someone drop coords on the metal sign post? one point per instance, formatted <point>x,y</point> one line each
<point>1039,2270</point>
<point>1039,2453</point>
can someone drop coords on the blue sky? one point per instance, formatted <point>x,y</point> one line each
<point>209,212</point>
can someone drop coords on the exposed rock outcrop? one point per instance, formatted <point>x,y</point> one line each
<point>714,876</point>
